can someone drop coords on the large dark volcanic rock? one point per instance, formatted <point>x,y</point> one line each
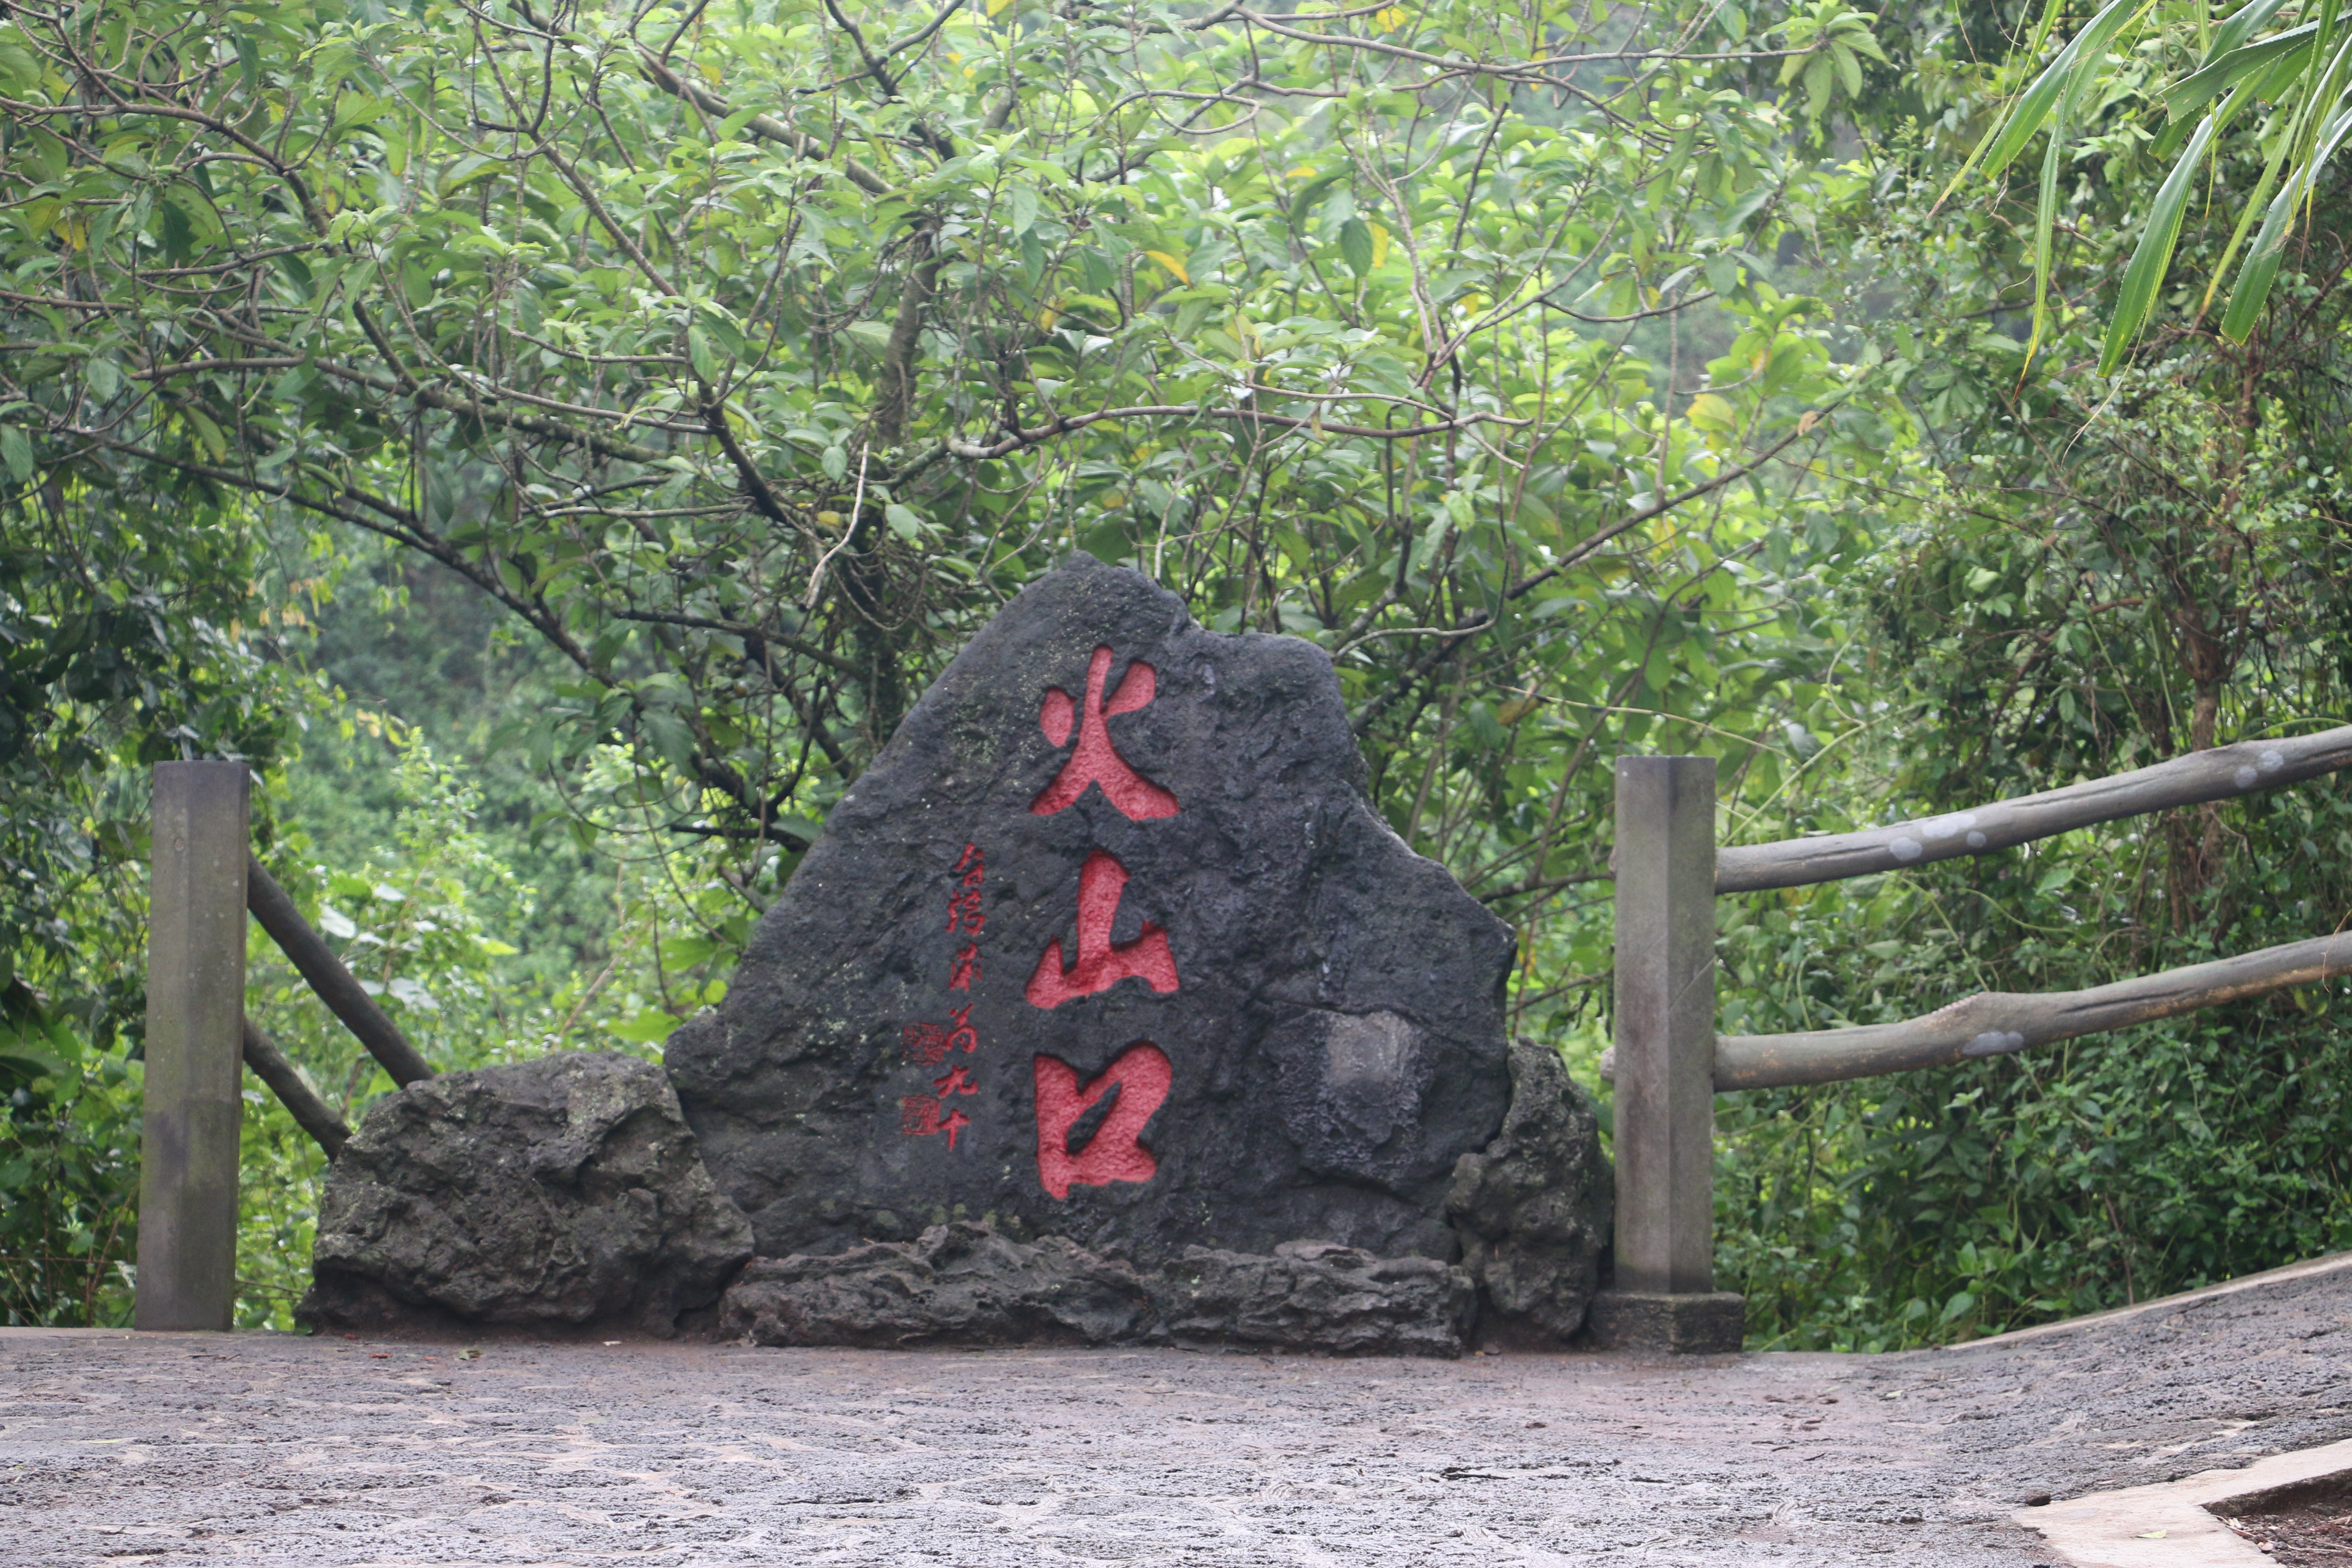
<point>565,1190</point>
<point>1108,944</point>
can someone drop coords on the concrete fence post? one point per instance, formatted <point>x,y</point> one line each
<point>1664,1297</point>
<point>195,1012</point>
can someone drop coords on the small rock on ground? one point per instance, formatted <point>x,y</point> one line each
<point>563,1190</point>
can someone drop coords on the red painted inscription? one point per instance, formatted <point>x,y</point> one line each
<point>964,913</point>
<point>1099,965</point>
<point>1095,761</point>
<point>927,1044</point>
<point>1142,1077</point>
<point>920,1115</point>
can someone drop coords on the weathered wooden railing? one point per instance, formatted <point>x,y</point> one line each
<point>204,880</point>
<point>1668,1063</point>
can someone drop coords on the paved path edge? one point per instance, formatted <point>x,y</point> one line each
<point>2309,1269</point>
<point>2170,1526</point>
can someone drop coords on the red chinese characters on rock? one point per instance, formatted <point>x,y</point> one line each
<point>1142,1076</point>
<point>920,1116</point>
<point>927,1044</point>
<point>1099,964</point>
<point>964,915</point>
<point>1095,761</point>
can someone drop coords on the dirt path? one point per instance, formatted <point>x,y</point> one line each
<point>265,1449</point>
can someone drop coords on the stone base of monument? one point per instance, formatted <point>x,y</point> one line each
<point>964,1284</point>
<point>565,1195</point>
<point>1706,1322</point>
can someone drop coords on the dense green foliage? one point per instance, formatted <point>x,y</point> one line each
<point>613,416</point>
<point>2269,83</point>
<point>120,644</point>
<point>2118,570</point>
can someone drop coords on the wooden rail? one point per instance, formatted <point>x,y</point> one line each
<point>342,993</point>
<point>205,880</point>
<point>312,1114</point>
<point>1995,1023</point>
<point>1665,1175</point>
<point>2222,774</point>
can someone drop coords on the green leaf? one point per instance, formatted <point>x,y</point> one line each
<point>1024,208</point>
<point>17,452</point>
<point>2262,267</point>
<point>2253,205</point>
<point>2235,32</point>
<point>647,1027</point>
<point>670,737</point>
<point>2145,274</point>
<point>2041,98</point>
<point>903,522</point>
<point>466,171</point>
<point>2176,130</point>
<point>685,951</point>
<point>2045,219</point>
<point>2189,92</point>
<point>1818,75</point>
<point>1304,202</point>
<point>1356,245</point>
<point>1862,40</point>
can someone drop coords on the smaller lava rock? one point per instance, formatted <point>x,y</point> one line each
<point>1534,1210</point>
<point>1315,1295</point>
<point>565,1190</point>
<point>961,1283</point>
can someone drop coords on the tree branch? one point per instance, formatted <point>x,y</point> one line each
<point>1018,440</point>
<point>763,125</point>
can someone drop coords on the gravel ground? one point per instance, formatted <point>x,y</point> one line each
<point>269,1449</point>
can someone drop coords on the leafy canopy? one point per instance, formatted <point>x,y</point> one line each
<point>747,359</point>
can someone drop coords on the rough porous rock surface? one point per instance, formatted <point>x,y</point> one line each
<point>1314,1296</point>
<point>1281,1025</point>
<point>964,1284</point>
<point>566,1190</point>
<point>960,1284</point>
<point>1534,1209</point>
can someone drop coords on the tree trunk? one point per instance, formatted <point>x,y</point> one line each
<point>2193,841</point>
<point>895,388</point>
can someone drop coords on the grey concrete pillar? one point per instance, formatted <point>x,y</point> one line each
<point>195,1013</point>
<point>1664,1297</point>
